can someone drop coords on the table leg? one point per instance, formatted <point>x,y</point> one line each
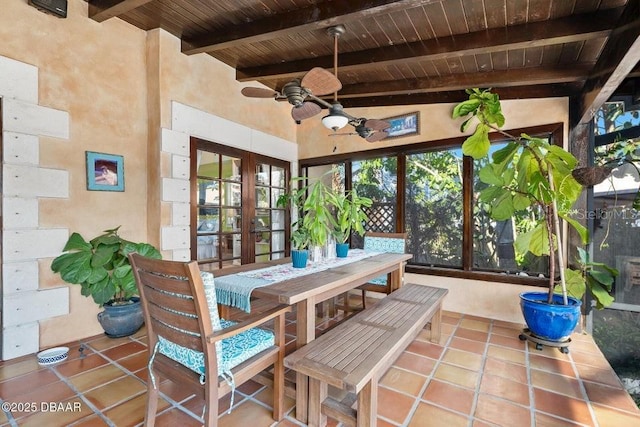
<point>305,333</point>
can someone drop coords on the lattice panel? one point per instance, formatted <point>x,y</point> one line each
<point>382,218</point>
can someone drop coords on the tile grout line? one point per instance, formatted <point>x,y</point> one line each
<point>476,394</point>
<point>583,390</point>
<point>418,398</point>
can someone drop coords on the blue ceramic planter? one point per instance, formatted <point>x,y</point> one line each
<point>121,320</point>
<point>553,322</point>
<point>342,250</point>
<point>299,258</point>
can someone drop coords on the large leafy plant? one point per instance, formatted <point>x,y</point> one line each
<point>349,214</point>
<point>101,266</point>
<point>527,173</point>
<point>315,221</point>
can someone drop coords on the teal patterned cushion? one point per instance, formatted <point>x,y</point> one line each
<point>235,349</point>
<point>383,244</point>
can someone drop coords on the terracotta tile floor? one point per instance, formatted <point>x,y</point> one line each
<point>480,374</point>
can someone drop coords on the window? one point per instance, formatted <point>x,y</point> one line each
<point>431,191</point>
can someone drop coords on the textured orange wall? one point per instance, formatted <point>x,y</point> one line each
<point>435,123</point>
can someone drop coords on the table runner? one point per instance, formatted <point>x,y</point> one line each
<point>235,289</point>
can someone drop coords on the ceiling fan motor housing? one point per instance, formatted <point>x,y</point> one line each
<point>294,93</point>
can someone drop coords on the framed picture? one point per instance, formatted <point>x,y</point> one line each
<point>105,172</point>
<point>404,125</point>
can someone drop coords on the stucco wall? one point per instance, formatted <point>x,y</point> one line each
<point>435,124</point>
<point>113,85</point>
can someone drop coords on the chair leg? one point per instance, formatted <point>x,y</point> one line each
<point>210,416</point>
<point>152,402</point>
<point>278,371</point>
<point>364,299</point>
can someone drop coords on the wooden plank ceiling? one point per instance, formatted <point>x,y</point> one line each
<point>410,51</point>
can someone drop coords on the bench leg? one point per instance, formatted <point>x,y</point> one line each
<point>436,325</point>
<point>368,404</point>
<point>317,395</point>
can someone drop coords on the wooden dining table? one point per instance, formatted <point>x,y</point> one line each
<point>306,291</point>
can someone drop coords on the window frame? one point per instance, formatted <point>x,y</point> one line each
<point>554,131</point>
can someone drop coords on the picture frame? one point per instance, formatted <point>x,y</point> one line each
<point>404,125</point>
<point>105,172</point>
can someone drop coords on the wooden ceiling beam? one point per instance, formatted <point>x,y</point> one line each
<point>515,92</point>
<point>316,16</point>
<point>101,10</point>
<point>619,57</point>
<point>495,79</point>
<point>536,34</point>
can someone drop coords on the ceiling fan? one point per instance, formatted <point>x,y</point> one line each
<point>304,94</point>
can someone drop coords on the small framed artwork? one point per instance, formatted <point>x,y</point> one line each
<point>404,125</point>
<point>105,172</point>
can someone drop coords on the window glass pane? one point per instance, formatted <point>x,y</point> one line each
<point>231,194</point>
<point>231,169</point>
<point>277,176</point>
<point>376,179</point>
<point>493,241</point>
<point>433,215</point>
<point>208,165</point>
<point>208,192</point>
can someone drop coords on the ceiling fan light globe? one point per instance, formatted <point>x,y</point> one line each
<point>334,121</point>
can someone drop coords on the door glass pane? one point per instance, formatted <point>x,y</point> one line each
<point>263,240</point>
<point>277,241</point>
<point>208,193</point>
<point>262,197</point>
<point>231,246</point>
<point>275,193</point>
<point>231,220</point>
<point>207,247</point>
<point>231,169</point>
<point>262,220</point>
<point>208,220</point>
<point>231,194</point>
<point>262,174</point>
<point>433,214</point>
<point>277,219</point>
<point>277,177</point>
<point>208,164</point>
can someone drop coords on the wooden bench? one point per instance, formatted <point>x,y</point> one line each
<point>356,354</point>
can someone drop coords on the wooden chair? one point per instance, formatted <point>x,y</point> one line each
<point>382,242</point>
<point>190,345</point>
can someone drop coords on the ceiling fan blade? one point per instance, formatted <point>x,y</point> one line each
<point>377,136</point>
<point>320,82</point>
<point>259,92</point>
<point>305,110</point>
<point>376,124</point>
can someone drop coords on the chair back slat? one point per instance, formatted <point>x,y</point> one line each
<point>169,283</point>
<point>170,302</point>
<point>178,337</point>
<point>385,242</point>
<point>175,319</point>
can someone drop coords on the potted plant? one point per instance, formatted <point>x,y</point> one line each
<point>349,217</point>
<point>531,172</point>
<point>101,267</point>
<point>315,222</point>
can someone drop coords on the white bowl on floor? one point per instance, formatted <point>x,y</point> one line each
<point>52,356</point>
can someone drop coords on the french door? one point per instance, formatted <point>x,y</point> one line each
<point>234,217</point>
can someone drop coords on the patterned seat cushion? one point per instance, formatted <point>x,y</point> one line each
<point>230,352</point>
<point>383,244</point>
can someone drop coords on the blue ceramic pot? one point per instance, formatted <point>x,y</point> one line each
<point>553,322</point>
<point>299,258</point>
<point>342,249</point>
<point>121,320</point>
